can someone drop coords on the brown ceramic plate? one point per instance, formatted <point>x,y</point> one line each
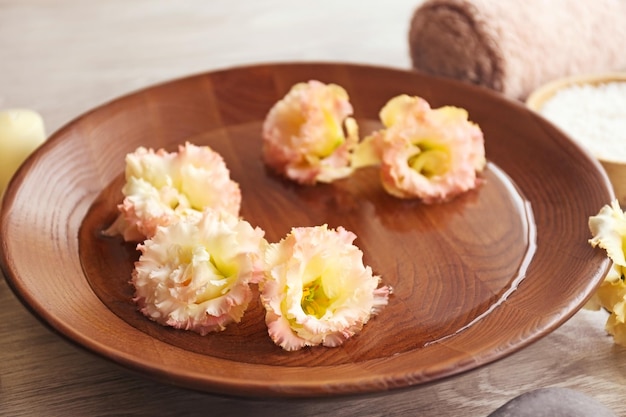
<point>475,279</point>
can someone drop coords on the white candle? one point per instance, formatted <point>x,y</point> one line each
<point>21,132</point>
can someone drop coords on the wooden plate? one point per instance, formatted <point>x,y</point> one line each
<point>475,279</point>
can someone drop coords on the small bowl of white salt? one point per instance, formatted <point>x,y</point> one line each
<point>590,109</point>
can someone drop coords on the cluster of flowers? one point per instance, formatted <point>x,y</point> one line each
<point>608,229</point>
<point>199,259</point>
<point>430,154</point>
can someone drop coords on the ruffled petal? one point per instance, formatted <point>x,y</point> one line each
<point>195,274</point>
<point>608,229</point>
<point>308,136</point>
<point>163,187</point>
<point>317,291</point>
<point>616,325</point>
<point>432,155</point>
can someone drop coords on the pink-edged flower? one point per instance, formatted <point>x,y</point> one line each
<point>608,229</point>
<point>162,187</point>
<point>616,323</point>
<point>195,274</point>
<point>429,154</point>
<point>308,135</point>
<point>317,290</point>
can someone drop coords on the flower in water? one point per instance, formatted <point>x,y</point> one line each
<point>608,229</point>
<point>430,154</point>
<point>195,274</point>
<point>162,187</point>
<point>308,136</point>
<point>317,290</point>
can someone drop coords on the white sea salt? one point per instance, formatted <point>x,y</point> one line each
<point>594,116</point>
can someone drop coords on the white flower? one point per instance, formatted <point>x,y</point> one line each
<point>304,137</point>
<point>317,290</point>
<point>429,154</point>
<point>608,228</point>
<point>195,274</point>
<point>163,187</point>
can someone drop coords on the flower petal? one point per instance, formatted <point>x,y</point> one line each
<point>612,290</point>
<point>433,155</point>
<point>308,135</point>
<point>608,228</point>
<point>317,291</point>
<point>163,187</point>
<point>616,326</point>
<point>195,274</point>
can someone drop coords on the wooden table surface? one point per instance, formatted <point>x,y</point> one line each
<point>63,57</point>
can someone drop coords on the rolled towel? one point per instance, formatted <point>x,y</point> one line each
<point>515,46</point>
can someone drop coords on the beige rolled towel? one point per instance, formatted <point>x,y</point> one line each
<point>515,46</point>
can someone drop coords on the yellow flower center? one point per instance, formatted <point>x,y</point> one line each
<point>314,301</point>
<point>201,262</point>
<point>331,139</point>
<point>432,159</point>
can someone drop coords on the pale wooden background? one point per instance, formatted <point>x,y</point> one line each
<point>63,57</point>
